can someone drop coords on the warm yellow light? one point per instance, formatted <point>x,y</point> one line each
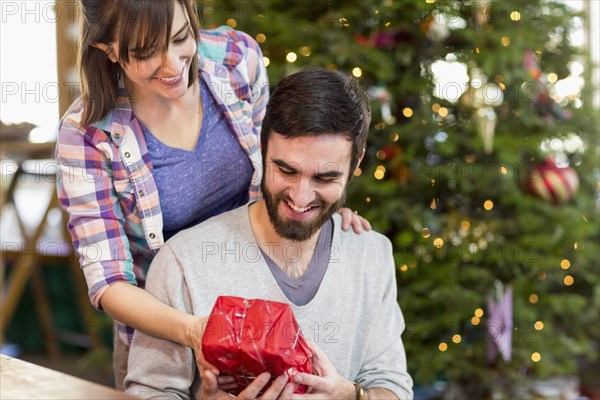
<point>425,232</point>
<point>379,174</point>
<point>539,325</point>
<point>536,357</point>
<point>266,61</point>
<point>465,225</point>
<point>568,280</point>
<point>515,15</point>
<point>443,346</point>
<point>479,313</point>
<point>358,172</point>
<point>394,137</point>
<point>456,338</point>
<point>261,38</point>
<point>552,77</point>
<point>502,86</point>
<point>533,298</point>
<point>429,1</point>
<point>407,112</point>
<point>565,264</point>
<point>433,204</point>
<point>435,107</point>
<point>380,168</point>
<point>404,268</point>
<point>231,22</point>
<point>488,205</point>
<point>291,57</point>
<point>475,321</point>
<point>305,51</point>
<point>357,72</point>
<point>505,41</point>
<point>443,111</point>
<point>368,199</point>
<point>438,243</point>
<point>503,170</point>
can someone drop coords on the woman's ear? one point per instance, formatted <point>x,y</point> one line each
<point>108,49</point>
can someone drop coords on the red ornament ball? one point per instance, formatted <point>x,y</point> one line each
<point>551,183</point>
<point>389,152</point>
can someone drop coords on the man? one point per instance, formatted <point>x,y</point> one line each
<point>289,247</point>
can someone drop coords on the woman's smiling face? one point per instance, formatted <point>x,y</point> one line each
<point>162,73</point>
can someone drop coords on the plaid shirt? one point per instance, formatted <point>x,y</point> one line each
<point>105,180</point>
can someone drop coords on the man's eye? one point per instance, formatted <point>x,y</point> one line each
<point>286,171</point>
<point>325,180</point>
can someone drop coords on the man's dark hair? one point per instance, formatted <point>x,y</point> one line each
<point>316,102</point>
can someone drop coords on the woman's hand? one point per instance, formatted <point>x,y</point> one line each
<point>352,218</point>
<point>195,332</point>
<point>225,383</point>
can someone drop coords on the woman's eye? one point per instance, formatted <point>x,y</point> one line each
<point>182,39</point>
<point>144,57</point>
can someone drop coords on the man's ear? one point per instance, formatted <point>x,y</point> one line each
<point>108,49</point>
<point>360,160</point>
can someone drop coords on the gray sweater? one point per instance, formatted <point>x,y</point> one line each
<point>354,317</point>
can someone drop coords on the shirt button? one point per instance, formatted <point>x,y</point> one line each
<point>141,193</point>
<point>152,236</point>
<point>127,155</point>
<point>117,136</point>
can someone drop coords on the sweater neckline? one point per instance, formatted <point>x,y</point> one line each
<point>267,276</point>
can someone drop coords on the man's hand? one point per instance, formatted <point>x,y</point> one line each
<point>279,389</point>
<point>328,384</point>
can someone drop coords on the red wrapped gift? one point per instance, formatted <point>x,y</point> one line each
<point>244,338</point>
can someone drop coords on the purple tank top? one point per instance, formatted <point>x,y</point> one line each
<point>212,178</point>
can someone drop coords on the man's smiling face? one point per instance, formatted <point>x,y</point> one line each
<point>305,182</point>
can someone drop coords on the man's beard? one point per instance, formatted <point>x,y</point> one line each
<point>298,231</point>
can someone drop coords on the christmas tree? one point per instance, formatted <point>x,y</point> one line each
<point>481,168</point>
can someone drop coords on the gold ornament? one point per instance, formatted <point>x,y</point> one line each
<point>485,123</point>
<point>481,93</point>
<point>480,97</point>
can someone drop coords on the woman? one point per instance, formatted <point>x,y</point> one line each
<point>164,136</point>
